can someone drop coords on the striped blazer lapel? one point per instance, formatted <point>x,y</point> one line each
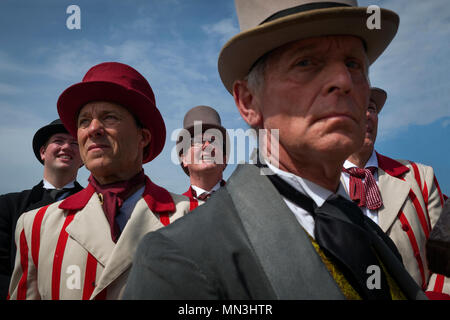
<point>141,222</point>
<point>392,201</point>
<point>91,230</point>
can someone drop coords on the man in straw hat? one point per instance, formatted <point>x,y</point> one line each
<point>401,196</point>
<point>58,152</point>
<point>82,247</point>
<point>201,145</point>
<point>300,67</point>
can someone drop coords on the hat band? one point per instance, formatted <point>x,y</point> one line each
<point>303,8</point>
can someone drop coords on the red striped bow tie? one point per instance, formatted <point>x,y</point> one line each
<point>364,194</point>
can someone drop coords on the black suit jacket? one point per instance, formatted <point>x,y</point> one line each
<point>12,205</point>
<point>244,243</point>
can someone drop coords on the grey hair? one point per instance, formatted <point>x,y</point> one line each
<point>256,75</point>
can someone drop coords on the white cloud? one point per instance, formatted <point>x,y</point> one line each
<point>224,29</point>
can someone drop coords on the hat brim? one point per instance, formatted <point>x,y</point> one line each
<point>204,127</point>
<point>379,96</point>
<point>42,135</point>
<point>243,50</point>
<point>75,97</point>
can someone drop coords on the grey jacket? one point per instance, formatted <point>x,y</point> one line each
<point>244,243</point>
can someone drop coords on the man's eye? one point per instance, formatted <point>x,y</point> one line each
<point>304,63</point>
<point>83,123</point>
<point>110,118</point>
<point>353,64</point>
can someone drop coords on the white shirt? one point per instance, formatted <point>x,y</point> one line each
<point>317,193</point>
<point>48,185</point>
<point>199,190</point>
<point>372,162</point>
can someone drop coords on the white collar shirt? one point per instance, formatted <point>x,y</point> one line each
<point>199,190</point>
<point>317,193</point>
<point>48,185</point>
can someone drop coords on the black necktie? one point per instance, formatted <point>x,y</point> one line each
<point>55,194</point>
<point>341,232</point>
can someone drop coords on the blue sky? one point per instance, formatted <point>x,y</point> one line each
<point>175,45</point>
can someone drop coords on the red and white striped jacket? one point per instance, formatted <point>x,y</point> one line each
<point>412,204</point>
<point>65,250</point>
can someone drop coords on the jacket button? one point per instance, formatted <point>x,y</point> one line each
<point>405,227</point>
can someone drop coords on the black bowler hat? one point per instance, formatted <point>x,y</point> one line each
<point>43,134</point>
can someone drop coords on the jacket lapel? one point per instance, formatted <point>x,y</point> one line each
<point>91,230</point>
<point>283,248</point>
<point>390,174</point>
<point>140,223</point>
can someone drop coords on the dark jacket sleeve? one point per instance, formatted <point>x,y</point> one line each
<point>7,210</point>
<point>162,271</point>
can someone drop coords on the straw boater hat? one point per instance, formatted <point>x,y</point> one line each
<point>209,119</point>
<point>266,25</point>
<point>43,134</point>
<point>379,96</point>
<point>121,84</point>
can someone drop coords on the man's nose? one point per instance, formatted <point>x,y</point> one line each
<point>340,79</point>
<point>95,127</point>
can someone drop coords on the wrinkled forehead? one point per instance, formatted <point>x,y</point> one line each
<point>101,106</point>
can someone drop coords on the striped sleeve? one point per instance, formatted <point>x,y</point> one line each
<point>23,283</point>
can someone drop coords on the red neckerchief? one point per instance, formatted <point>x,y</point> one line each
<point>157,198</point>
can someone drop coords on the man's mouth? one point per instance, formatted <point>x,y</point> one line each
<point>64,157</point>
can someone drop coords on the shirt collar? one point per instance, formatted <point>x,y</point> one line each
<point>199,190</point>
<point>317,193</point>
<point>372,162</point>
<point>48,185</point>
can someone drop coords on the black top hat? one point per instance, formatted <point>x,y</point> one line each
<point>43,134</point>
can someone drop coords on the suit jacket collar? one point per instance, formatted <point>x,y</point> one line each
<point>391,167</point>
<point>158,199</point>
<point>394,190</point>
<point>285,252</point>
<point>91,230</point>
<point>189,193</point>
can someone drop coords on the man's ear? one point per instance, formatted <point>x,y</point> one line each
<point>146,137</point>
<point>246,103</point>
<point>42,152</point>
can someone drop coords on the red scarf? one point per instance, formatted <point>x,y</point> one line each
<point>114,194</point>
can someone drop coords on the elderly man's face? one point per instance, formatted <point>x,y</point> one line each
<point>110,141</point>
<point>316,93</point>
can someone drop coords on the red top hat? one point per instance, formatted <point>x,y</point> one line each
<point>121,84</point>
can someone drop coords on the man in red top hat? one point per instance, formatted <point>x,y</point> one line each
<point>58,152</point>
<point>202,143</point>
<point>403,197</point>
<point>88,240</point>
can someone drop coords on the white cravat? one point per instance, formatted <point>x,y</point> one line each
<point>372,162</point>
<point>317,193</point>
